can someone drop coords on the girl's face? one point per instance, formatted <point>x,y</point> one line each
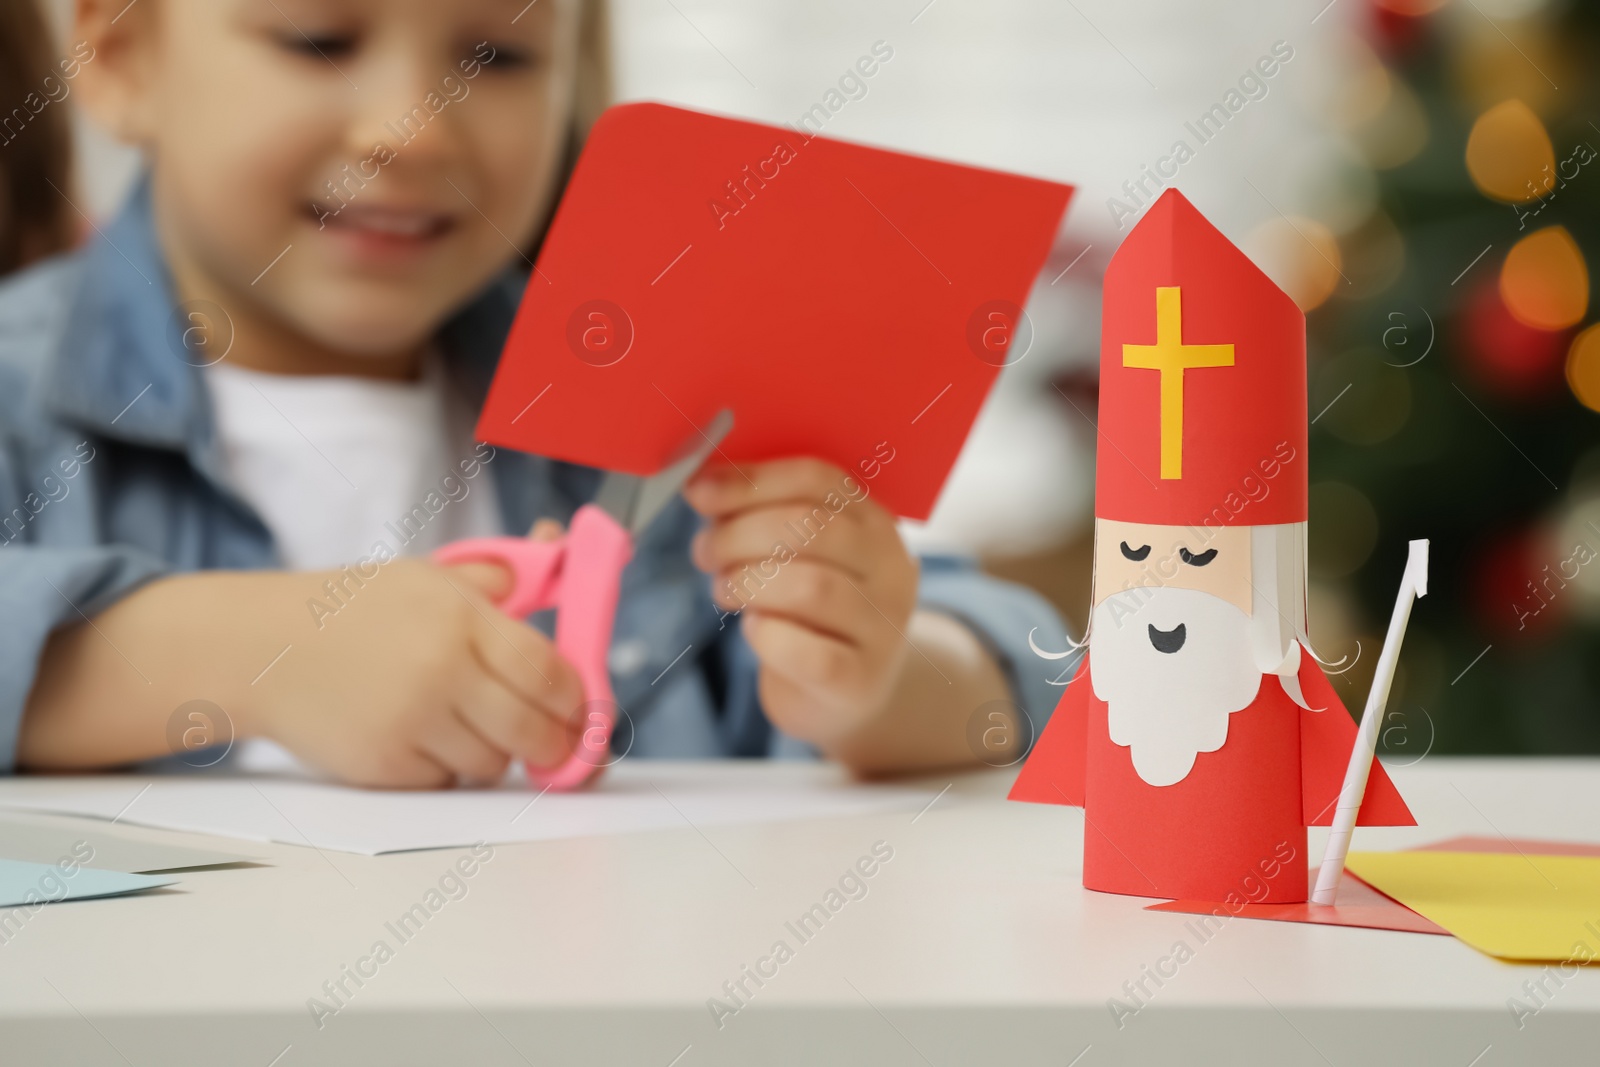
<point>351,170</point>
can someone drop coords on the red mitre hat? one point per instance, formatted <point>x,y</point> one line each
<point>1202,381</point>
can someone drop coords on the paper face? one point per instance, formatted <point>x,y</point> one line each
<point>1213,560</point>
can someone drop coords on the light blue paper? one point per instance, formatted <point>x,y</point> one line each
<point>23,884</point>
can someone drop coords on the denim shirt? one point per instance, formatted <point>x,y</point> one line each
<point>111,476</point>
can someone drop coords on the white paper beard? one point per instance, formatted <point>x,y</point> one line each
<point>1167,707</point>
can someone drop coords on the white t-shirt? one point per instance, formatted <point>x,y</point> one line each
<point>337,466</point>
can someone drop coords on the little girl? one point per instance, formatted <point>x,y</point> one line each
<point>267,369</point>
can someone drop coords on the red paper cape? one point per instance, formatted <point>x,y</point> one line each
<point>1054,771</point>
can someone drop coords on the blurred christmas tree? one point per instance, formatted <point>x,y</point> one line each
<point>1455,376</point>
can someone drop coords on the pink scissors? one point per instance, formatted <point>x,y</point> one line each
<point>580,575</point>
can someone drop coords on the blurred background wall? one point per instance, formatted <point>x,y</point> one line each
<point>1414,172</point>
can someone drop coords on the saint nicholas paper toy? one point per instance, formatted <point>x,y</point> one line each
<point>1199,734</point>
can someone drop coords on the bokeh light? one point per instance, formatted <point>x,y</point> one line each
<point>1509,9</point>
<point>1382,115</point>
<point>1505,355</point>
<point>1412,8</point>
<point>1494,60</point>
<point>1577,539</point>
<point>1509,153</point>
<point>1398,131</point>
<point>1343,529</point>
<point>1301,255</point>
<point>1510,599</point>
<point>1376,403</point>
<point>1583,368</point>
<point>1342,184</point>
<point>1374,256</point>
<point>1544,281</point>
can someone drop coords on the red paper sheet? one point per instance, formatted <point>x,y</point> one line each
<point>1358,904</point>
<point>845,302</point>
<point>1512,844</point>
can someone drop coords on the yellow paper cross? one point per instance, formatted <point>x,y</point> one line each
<point>1171,357</point>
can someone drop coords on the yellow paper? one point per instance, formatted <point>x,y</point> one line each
<point>1515,906</point>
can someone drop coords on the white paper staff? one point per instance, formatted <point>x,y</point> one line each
<point>1413,584</point>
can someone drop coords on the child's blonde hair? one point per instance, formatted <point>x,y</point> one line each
<point>594,86</point>
<point>36,139</point>
<point>591,96</point>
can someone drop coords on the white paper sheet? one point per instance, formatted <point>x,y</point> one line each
<point>33,839</point>
<point>634,796</point>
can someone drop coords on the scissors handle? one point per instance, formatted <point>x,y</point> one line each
<point>581,576</point>
<point>535,568</point>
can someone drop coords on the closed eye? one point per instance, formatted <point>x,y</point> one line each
<point>507,57</point>
<point>318,46</point>
<point>1197,561</point>
<point>1137,554</point>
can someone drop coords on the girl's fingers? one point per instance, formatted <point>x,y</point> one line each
<point>527,663</point>
<point>815,662</point>
<point>725,490</point>
<point>409,768</point>
<point>546,530</point>
<point>516,727</point>
<point>816,595</point>
<point>768,536</point>
<point>490,579</point>
<point>449,740</point>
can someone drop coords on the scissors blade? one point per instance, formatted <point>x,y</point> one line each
<point>635,501</point>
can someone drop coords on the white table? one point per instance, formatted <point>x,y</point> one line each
<point>975,944</point>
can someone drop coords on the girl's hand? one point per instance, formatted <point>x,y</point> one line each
<point>825,586</point>
<point>417,680</point>
<point>420,681</point>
